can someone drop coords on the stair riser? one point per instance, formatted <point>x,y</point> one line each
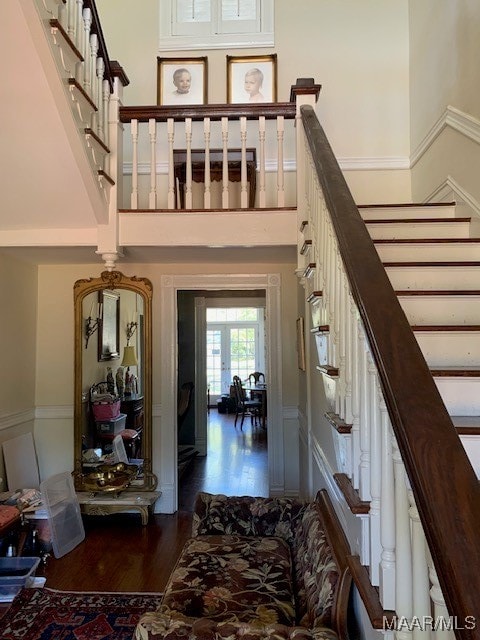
<point>471,445</point>
<point>385,213</point>
<point>434,278</point>
<point>411,230</point>
<point>442,310</point>
<point>461,396</point>
<point>450,348</point>
<point>428,252</point>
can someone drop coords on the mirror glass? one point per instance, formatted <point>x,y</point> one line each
<point>113,353</point>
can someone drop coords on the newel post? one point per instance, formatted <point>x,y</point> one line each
<point>108,234</point>
<point>305,91</point>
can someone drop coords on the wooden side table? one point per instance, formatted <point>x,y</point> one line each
<point>234,158</point>
<point>104,505</point>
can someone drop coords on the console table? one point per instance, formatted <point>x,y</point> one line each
<point>104,505</point>
<point>234,158</point>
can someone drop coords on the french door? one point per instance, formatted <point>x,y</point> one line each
<point>232,349</point>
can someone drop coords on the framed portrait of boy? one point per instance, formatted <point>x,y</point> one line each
<point>182,80</point>
<point>252,79</point>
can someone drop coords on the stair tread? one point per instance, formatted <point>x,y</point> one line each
<point>438,292</point>
<point>445,327</point>
<point>426,240</point>
<point>415,220</point>
<point>455,372</point>
<point>466,424</point>
<point>433,263</point>
<point>406,205</point>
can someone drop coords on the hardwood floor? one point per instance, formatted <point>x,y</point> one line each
<point>118,554</point>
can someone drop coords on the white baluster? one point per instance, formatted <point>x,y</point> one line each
<point>87,23</point>
<point>71,19</point>
<point>364,480</point>
<point>403,547</point>
<point>375,472</point>
<point>442,622</point>
<point>261,185</point>
<point>106,103</point>
<point>93,67</point>
<point>79,25</point>
<point>387,517</point>
<point>171,175</point>
<point>225,201</point>
<point>207,200</point>
<point>243,164</point>
<point>62,15</point>
<point>280,175</point>
<point>356,448</point>
<point>188,176</point>
<point>99,96</point>
<point>134,193</point>
<point>421,584</point>
<point>152,130</point>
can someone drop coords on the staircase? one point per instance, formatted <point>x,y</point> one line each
<point>433,264</point>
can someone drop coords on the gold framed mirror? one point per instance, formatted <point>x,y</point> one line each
<point>113,375</point>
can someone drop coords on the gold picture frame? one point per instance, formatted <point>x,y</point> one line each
<point>301,343</point>
<point>182,81</point>
<point>252,79</point>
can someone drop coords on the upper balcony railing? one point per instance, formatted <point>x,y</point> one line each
<point>170,151</point>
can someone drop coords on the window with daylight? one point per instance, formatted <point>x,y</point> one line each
<point>215,24</point>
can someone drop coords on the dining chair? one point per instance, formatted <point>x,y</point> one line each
<point>244,405</point>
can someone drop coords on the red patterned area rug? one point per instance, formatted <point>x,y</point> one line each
<point>48,614</point>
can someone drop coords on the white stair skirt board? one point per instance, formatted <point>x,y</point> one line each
<point>445,277</point>
<point>461,395</point>
<point>442,309</point>
<point>21,466</point>
<point>450,348</point>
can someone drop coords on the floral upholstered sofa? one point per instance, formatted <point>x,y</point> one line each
<point>257,568</point>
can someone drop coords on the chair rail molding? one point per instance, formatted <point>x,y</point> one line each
<point>458,120</point>
<point>165,443</point>
<point>16,418</point>
<point>450,190</point>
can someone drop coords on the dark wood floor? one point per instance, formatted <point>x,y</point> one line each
<point>118,554</point>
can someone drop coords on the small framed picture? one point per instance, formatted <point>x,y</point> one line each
<point>182,80</point>
<point>109,329</point>
<point>252,78</point>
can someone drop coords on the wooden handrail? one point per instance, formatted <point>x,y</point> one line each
<point>445,487</point>
<point>213,111</point>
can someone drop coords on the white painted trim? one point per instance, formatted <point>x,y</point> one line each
<point>9,420</point>
<point>165,448</point>
<point>451,117</point>
<point>449,191</point>
<point>54,412</point>
<point>386,163</point>
<point>290,413</point>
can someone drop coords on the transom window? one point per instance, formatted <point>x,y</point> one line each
<point>215,24</point>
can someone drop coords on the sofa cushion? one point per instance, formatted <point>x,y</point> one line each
<point>316,572</point>
<point>234,578</point>
<point>245,515</point>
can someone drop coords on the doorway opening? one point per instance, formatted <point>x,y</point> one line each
<point>220,334</point>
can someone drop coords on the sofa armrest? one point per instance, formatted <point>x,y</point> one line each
<point>158,626</point>
<point>245,515</point>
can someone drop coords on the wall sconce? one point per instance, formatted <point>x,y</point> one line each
<point>131,328</point>
<point>92,325</point>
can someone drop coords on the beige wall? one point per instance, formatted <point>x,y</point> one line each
<point>364,103</point>
<point>54,428</point>
<point>18,291</point>
<point>444,72</point>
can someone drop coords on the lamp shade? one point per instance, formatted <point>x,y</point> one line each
<point>129,357</point>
